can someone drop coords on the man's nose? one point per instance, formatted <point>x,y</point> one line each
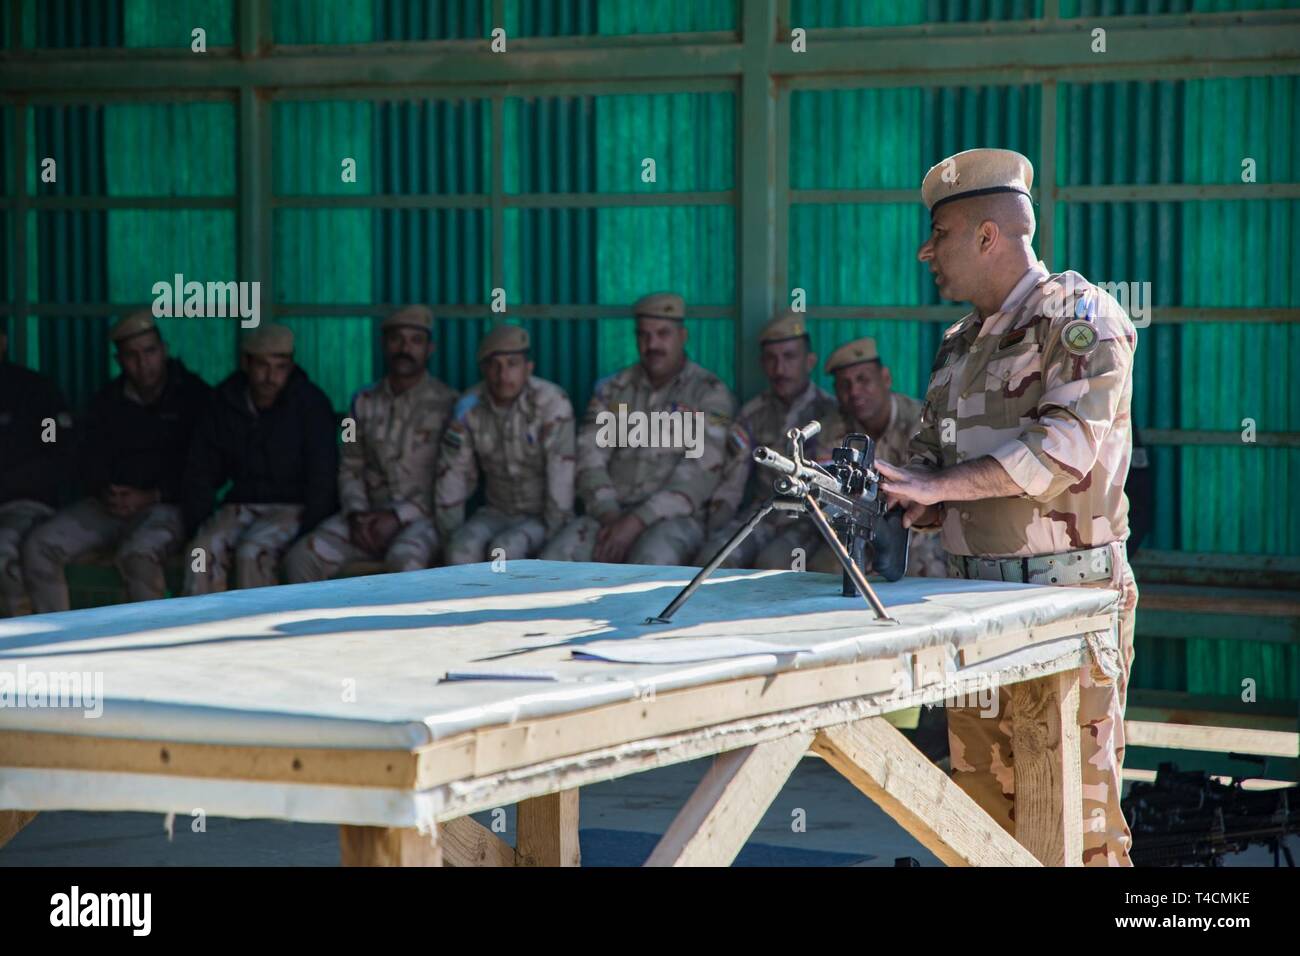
<point>925,253</point>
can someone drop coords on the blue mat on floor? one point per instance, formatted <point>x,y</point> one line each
<point>602,847</point>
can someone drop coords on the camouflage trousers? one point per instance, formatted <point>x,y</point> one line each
<point>770,546</point>
<point>319,555</point>
<point>983,764</point>
<point>17,518</point>
<point>490,531</point>
<point>140,546</point>
<point>925,558</point>
<point>670,541</point>
<point>248,537</point>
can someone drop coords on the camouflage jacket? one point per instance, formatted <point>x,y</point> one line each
<point>525,452</point>
<point>621,468</point>
<point>1052,408</point>
<point>390,464</point>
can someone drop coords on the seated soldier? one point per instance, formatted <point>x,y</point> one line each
<point>134,439</point>
<point>518,431</point>
<point>650,450</point>
<point>792,400</point>
<point>271,433</point>
<point>869,406</point>
<point>386,473</point>
<point>33,421</point>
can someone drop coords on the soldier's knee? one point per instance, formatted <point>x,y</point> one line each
<point>300,565</point>
<point>512,545</point>
<point>464,547</point>
<point>41,548</point>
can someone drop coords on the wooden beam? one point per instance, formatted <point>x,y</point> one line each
<point>466,842</point>
<point>547,829</point>
<point>12,821</point>
<point>1271,743</point>
<point>388,846</point>
<point>1048,768</point>
<point>471,794</point>
<point>729,803</point>
<point>878,760</point>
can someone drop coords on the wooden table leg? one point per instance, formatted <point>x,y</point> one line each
<point>389,846</point>
<point>11,821</point>
<point>1049,775</point>
<point>878,760</point>
<point>547,828</point>
<point>729,803</point>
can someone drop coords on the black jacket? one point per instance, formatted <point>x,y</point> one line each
<point>29,467</point>
<point>287,454</point>
<point>125,443</point>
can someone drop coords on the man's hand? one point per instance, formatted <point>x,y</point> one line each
<point>616,537</point>
<point>909,487</point>
<point>125,501</point>
<point>383,528</point>
<point>924,516</point>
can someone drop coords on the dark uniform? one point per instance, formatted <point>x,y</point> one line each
<point>283,463</point>
<point>123,442</point>
<point>31,469</point>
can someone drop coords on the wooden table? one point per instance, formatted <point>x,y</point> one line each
<point>326,703</point>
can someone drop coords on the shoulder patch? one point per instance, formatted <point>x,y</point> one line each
<point>463,406</point>
<point>1079,336</point>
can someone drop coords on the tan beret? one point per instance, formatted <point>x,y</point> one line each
<point>852,353</point>
<point>788,325</point>
<point>660,305</point>
<point>132,325</point>
<point>268,339</point>
<point>410,317</point>
<point>976,172</point>
<point>504,338</point>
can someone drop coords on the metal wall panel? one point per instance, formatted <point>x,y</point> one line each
<point>811,14</point>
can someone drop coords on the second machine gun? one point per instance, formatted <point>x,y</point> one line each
<point>844,502</point>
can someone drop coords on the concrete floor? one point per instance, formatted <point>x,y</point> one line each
<point>618,815</point>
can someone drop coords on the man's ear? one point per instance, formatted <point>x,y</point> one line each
<point>886,377</point>
<point>810,362</point>
<point>988,234</point>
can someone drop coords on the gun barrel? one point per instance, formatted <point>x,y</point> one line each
<point>776,461</point>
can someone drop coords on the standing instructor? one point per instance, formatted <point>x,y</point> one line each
<point>1020,460</point>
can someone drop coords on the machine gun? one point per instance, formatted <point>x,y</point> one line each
<point>845,504</point>
<point>1188,819</point>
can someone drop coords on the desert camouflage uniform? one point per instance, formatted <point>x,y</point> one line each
<point>663,487</point>
<point>526,455</point>
<point>764,420</point>
<point>17,518</point>
<point>389,467</point>
<point>1058,422</point>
